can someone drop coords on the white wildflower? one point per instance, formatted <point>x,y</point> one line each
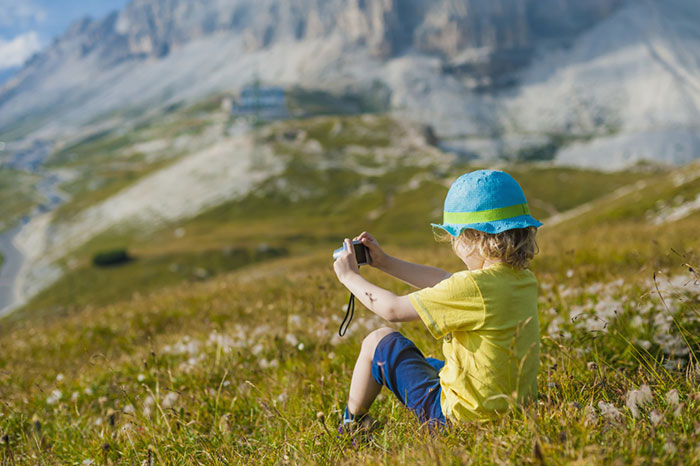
<point>282,397</point>
<point>595,288</point>
<point>646,344</point>
<point>191,363</point>
<point>636,321</point>
<point>655,417</point>
<point>88,462</point>
<point>566,292</point>
<point>336,340</point>
<point>673,401</point>
<point>169,400</point>
<point>222,341</point>
<point>670,448</point>
<point>54,397</point>
<point>300,346</point>
<point>261,330</point>
<point>291,339</point>
<point>570,273</point>
<point>59,378</point>
<point>672,397</point>
<point>244,388</point>
<point>609,411</point>
<point>331,355</point>
<point>141,378</point>
<point>294,319</point>
<point>257,349</point>
<point>590,415</point>
<point>129,409</point>
<point>637,398</point>
<point>645,309</point>
<point>594,323</point>
<point>97,422</point>
<point>607,307</point>
<point>147,406</point>
<point>186,346</point>
<point>274,363</point>
<point>88,391</point>
<point>74,396</point>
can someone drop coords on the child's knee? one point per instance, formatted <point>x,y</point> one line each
<point>369,344</point>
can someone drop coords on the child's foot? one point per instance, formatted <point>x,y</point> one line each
<point>363,424</point>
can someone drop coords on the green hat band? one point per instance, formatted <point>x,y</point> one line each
<point>490,215</point>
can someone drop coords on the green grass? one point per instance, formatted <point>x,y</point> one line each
<point>226,386</point>
<point>17,196</point>
<point>93,285</point>
<point>242,364</point>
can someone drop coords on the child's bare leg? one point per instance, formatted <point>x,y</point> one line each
<point>363,388</point>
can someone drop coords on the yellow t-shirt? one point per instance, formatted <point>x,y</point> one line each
<point>491,338</point>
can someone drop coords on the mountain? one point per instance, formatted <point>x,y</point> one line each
<point>603,83</point>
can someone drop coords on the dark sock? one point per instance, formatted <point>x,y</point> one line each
<point>349,417</point>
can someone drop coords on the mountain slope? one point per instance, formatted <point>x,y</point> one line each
<point>496,79</point>
<point>631,88</point>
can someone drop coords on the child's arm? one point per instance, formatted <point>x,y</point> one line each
<point>420,276</point>
<point>384,303</point>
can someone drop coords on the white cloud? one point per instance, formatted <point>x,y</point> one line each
<point>13,12</point>
<point>16,51</point>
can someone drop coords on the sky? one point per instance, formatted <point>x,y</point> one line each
<point>26,26</point>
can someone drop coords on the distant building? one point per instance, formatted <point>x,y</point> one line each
<point>267,103</point>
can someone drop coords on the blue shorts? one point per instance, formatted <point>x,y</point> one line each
<point>401,367</point>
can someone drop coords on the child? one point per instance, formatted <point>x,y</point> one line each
<point>486,315</point>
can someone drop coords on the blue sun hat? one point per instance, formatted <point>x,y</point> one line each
<point>486,200</point>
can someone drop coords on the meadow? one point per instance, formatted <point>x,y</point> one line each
<point>17,196</point>
<point>156,362</point>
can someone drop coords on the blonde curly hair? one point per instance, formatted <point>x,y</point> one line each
<point>515,247</point>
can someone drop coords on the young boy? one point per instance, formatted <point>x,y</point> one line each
<point>486,315</point>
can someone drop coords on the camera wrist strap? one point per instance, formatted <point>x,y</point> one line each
<point>349,313</point>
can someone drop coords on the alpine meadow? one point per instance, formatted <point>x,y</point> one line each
<point>217,342</point>
<point>176,175</point>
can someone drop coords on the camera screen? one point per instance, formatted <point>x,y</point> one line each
<point>360,253</point>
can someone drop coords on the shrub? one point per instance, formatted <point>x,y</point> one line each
<point>111,258</point>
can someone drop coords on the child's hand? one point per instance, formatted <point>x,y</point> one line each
<point>346,263</point>
<point>376,253</point>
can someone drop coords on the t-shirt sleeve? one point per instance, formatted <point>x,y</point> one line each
<point>453,304</point>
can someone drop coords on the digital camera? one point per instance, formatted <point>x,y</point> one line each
<point>361,252</point>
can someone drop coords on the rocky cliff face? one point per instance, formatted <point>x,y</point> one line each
<point>497,74</point>
<point>479,41</point>
<point>152,28</point>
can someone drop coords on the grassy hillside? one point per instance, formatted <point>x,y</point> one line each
<point>248,368</point>
<point>342,175</point>
<point>17,196</point>
<point>218,343</point>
